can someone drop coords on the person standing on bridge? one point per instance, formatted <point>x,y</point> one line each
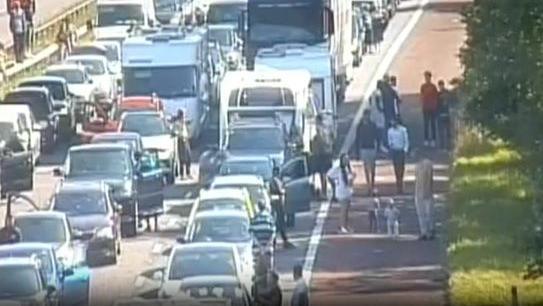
<point>18,25</point>
<point>29,7</point>
<point>398,142</point>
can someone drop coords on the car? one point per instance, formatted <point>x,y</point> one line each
<point>138,104</point>
<point>110,49</point>
<point>27,135</point>
<point>156,135</point>
<point>223,199</point>
<point>187,261</point>
<point>252,165</point>
<point>62,100</point>
<point>16,158</point>
<point>22,280</point>
<point>72,283</point>
<point>80,85</point>
<point>40,101</point>
<point>93,216</point>
<point>131,139</point>
<point>102,77</point>
<point>137,189</point>
<point>226,35</point>
<point>255,185</point>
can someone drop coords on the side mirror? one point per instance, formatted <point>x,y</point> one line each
<point>58,172</point>
<point>51,289</point>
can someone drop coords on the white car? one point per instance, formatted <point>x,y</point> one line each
<point>155,135</point>
<point>80,83</point>
<point>254,184</point>
<point>97,67</point>
<point>21,116</point>
<point>226,35</point>
<point>195,260</point>
<point>223,199</point>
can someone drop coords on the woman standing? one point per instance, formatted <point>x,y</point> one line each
<point>342,178</point>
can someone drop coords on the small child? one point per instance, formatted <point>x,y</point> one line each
<point>373,215</point>
<point>392,215</point>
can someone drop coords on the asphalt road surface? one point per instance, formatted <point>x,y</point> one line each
<point>352,269</point>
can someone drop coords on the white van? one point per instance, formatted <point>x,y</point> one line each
<point>22,119</point>
<point>115,17</point>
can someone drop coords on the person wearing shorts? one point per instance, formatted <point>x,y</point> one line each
<point>342,178</point>
<point>367,143</point>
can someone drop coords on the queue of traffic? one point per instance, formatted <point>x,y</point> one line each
<point>247,70</point>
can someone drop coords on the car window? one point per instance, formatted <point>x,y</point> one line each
<point>144,125</point>
<point>254,138</point>
<point>72,76</point>
<point>220,229</point>
<point>196,263</point>
<point>45,257</point>
<point>260,168</point>
<point>219,204</point>
<point>80,203</point>
<point>94,67</point>
<point>45,230</point>
<point>99,162</point>
<point>19,282</point>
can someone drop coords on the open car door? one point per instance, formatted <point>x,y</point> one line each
<point>297,184</point>
<point>150,185</point>
<point>16,171</point>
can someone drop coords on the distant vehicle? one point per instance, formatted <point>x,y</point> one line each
<point>62,100</point>
<point>133,140</point>
<point>100,73</point>
<point>80,84</point>
<point>40,101</point>
<point>139,191</point>
<point>23,280</point>
<point>155,135</point>
<point>110,49</point>
<point>223,199</point>
<point>25,123</point>
<point>230,43</point>
<point>250,165</point>
<point>196,260</point>
<point>255,185</point>
<point>168,11</point>
<point>221,11</point>
<point>217,68</point>
<point>72,283</point>
<point>138,104</point>
<point>94,216</point>
<point>116,17</point>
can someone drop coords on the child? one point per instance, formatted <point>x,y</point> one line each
<point>392,215</point>
<point>374,216</point>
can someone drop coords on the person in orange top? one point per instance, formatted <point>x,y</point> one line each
<point>429,100</point>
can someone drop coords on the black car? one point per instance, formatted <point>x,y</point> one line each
<point>136,187</point>
<point>40,101</point>
<point>93,216</point>
<point>131,139</point>
<point>16,162</point>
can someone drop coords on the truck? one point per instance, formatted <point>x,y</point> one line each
<point>174,66</point>
<point>321,25</point>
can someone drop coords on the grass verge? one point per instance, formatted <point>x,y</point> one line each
<point>489,211</point>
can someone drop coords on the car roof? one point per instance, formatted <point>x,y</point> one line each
<point>237,179</point>
<point>225,193</point>
<point>203,246</point>
<point>99,146</point>
<point>222,26</point>
<point>81,186</point>
<point>206,280</point>
<point>92,57</point>
<point>248,158</point>
<point>15,108</point>
<point>17,261</point>
<point>41,214</point>
<point>34,89</point>
<point>38,246</point>
<point>65,66</point>
<point>223,213</point>
<point>143,113</point>
<point>117,135</point>
<point>43,78</point>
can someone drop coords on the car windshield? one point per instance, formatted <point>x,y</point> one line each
<point>145,125</point>
<point>262,96</point>
<point>253,138</point>
<point>132,143</point>
<point>189,263</point>
<point>94,67</point>
<point>80,203</point>
<point>36,100</point>
<point>256,193</point>
<point>99,162</point>
<point>260,168</point>
<point>47,230</point>
<point>6,131</point>
<point>223,36</point>
<point>112,52</point>
<point>220,204</point>
<point>221,229</point>
<point>71,76</point>
<point>224,13</point>
<point>120,14</point>
<point>166,82</point>
<point>44,256</point>
<point>56,89</point>
<point>18,282</point>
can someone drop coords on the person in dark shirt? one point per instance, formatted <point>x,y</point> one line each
<point>443,116</point>
<point>367,141</point>
<point>276,189</point>
<point>390,100</point>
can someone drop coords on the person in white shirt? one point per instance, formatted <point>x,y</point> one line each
<point>342,178</point>
<point>392,215</point>
<point>398,145</point>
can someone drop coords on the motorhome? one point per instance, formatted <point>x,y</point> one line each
<point>172,65</point>
<point>283,95</point>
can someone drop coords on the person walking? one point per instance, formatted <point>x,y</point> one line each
<point>424,198</point>
<point>29,7</point>
<point>367,141</point>
<point>429,101</point>
<point>390,101</point>
<point>378,32</point>
<point>321,153</point>
<point>444,116</point>
<point>63,41</point>
<point>278,209</point>
<point>398,142</point>
<point>369,44</point>
<point>184,152</point>
<point>300,294</point>
<point>377,116</point>
<point>263,229</point>
<point>18,25</point>
<point>342,177</point>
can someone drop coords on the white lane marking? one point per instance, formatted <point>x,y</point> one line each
<point>381,70</point>
<point>384,65</point>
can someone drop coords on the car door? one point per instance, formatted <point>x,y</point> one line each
<point>297,184</point>
<point>150,184</point>
<point>16,170</point>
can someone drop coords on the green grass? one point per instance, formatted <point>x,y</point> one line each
<point>489,211</point>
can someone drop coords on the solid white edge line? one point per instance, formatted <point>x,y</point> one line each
<point>384,65</point>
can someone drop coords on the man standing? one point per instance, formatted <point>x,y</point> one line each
<point>29,7</point>
<point>300,295</point>
<point>377,115</point>
<point>277,191</point>
<point>366,145</point>
<point>428,99</point>
<point>18,25</point>
<point>183,145</point>
<point>321,160</point>
<point>390,101</point>
<point>444,116</point>
<point>398,143</point>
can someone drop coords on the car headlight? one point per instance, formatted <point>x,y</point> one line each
<point>105,232</point>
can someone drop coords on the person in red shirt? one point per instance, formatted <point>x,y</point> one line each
<point>429,99</point>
